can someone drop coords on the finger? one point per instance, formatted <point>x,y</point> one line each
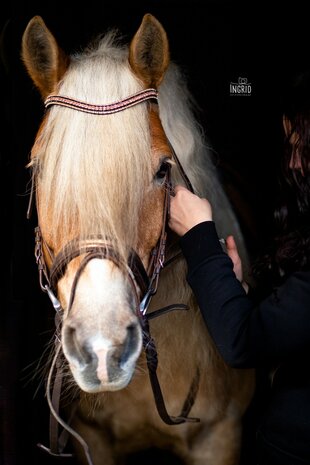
<point>231,244</point>
<point>232,250</point>
<point>178,188</point>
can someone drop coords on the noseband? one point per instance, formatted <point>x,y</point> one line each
<point>143,282</point>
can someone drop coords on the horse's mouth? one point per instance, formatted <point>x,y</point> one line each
<point>89,381</point>
<point>98,364</point>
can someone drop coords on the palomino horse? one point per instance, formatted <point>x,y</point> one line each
<point>118,121</point>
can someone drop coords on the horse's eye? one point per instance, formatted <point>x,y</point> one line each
<point>161,173</point>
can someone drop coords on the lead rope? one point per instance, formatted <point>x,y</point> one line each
<point>54,440</point>
<point>58,442</point>
<point>148,342</point>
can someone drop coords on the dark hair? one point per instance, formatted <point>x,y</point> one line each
<point>296,109</point>
<point>290,247</point>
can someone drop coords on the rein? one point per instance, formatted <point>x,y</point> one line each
<point>144,283</point>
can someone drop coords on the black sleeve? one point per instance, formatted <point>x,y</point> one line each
<point>245,335</point>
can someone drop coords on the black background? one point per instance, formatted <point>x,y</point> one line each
<point>215,42</point>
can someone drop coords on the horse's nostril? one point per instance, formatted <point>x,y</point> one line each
<point>77,351</point>
<point>122,354</point>
<point>130,344</point>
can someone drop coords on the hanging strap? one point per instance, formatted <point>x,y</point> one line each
<point>152,362</point>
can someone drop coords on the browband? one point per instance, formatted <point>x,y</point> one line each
<point>141,96</point>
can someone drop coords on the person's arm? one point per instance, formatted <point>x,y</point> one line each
<point>244,335</point>
<point>188,210</point>
<point>221,298</point>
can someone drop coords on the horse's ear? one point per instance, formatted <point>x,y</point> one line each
<point>149,51</point>
<point>45,62</point>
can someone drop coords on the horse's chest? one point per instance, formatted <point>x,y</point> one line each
<point>130,418</point>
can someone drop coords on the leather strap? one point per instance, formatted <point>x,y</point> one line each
<point>147,282</point>
<point>152,362</point>
<point>103,250</point>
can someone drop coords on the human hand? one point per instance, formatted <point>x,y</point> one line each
<point>187,210</point>
<point>232,251</point>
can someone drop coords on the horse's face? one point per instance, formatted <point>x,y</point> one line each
<point>101,332</point>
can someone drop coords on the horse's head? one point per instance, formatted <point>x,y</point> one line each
<point>100,191</point>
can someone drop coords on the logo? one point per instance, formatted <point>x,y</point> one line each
<point>242,87</point>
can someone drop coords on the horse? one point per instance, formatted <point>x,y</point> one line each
<point>118,132</point>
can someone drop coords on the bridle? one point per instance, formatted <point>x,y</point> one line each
<point>144,284</point>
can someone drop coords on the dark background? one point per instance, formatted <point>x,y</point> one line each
<point>215,42</point>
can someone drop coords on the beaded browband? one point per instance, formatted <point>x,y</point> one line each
<point>130,101</point>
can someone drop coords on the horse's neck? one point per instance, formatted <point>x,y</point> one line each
<point>173,289</point>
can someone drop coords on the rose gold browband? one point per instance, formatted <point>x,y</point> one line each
<point>130,101</point>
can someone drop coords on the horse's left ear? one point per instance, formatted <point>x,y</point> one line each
<point>149,52</point>
<point>45,61</point>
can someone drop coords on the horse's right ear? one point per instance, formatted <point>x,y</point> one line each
<point>44,60</point>
<point>149,51</point>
